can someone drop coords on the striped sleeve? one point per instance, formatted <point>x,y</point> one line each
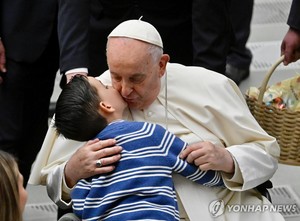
<point>190,171</point>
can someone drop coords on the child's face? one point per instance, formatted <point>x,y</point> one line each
<point>108,94</point>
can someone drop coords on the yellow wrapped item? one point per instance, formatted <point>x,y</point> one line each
<point>284,94</point>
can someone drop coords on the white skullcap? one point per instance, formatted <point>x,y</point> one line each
<point>138,29</point>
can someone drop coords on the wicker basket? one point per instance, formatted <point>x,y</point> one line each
<point>283,124</point>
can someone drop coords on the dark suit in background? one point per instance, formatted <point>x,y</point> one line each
<point>294,18</point>
<point>212,33</point>
<point>28,32</point>
<point>241,15</point>
<point>86,24</point>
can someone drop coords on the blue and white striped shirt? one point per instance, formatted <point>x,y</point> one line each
<point>141,186</point>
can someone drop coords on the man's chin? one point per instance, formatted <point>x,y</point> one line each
<point>134,105</point>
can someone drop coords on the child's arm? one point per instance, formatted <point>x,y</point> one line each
<point>190,171</point>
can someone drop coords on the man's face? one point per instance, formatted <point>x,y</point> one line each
<point>134,73</point>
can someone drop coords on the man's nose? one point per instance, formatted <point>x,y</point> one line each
<point>126,89</point>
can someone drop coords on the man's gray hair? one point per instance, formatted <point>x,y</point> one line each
<point>155,52</point>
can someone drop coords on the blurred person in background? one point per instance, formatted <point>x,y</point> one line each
<point>239,57</point>
<point>29,59</point>
<point>12,193</point>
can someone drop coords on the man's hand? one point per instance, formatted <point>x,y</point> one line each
<point>2,60</point>
<point>290,46</point>
<point>207,156</point>
<point>82,163</point>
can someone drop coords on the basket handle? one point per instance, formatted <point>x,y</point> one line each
<point>267,78</point>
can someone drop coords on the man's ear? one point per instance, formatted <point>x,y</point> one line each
<point>163,64</point>
<point>105,107</point>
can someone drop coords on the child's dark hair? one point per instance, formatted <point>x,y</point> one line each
<point>76,113</point>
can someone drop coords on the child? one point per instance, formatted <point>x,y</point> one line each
<point>141,185</point>
<point>12,193</point>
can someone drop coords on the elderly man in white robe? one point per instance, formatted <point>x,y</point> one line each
<point>202,107</point>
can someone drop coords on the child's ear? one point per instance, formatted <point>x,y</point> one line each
<point>106,107</point>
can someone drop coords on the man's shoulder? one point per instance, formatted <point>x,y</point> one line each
<point>184,70</point>
<point>191,74</point>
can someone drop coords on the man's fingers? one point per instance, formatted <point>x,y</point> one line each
<point>287,57</point>
<point>105,169</point>
<point>97,144</point>
<point>90,142</point>
<point>205,167</point>
<point>107,162</point>
<point>189,149</point>
<point>108,152</point>
<point>2,68</point>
